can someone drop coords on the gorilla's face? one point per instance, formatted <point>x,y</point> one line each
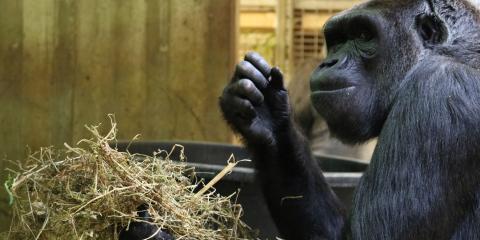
<point>370,51</point>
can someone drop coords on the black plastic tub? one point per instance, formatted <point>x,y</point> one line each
<point>209,158</point>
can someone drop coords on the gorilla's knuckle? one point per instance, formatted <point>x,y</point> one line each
<point>247,68</point>
<point>246,85</point>
<point>250,108</point>
<point>224,104</point>
<point>243,65</point>
<point>251,54</point>
<point>248,105</point>
<point>227,91</point>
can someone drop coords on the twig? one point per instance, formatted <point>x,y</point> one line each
<point>231,164</point>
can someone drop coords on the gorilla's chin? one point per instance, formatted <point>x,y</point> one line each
<point>349,114</point>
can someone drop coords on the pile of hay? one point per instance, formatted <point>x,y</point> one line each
<point>92,191</point>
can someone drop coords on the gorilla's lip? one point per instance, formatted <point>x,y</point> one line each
<point>332,91</point>
<point>331,85</point>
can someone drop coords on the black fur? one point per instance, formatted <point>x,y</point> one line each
<point>405,71</point>
<point>143,229</point>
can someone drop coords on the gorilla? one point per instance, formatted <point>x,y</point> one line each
<point>143,229</point>
<point>407,72</point>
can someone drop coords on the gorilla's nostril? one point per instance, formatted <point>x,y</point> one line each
<point>331,63</point>
<point>328,63</point>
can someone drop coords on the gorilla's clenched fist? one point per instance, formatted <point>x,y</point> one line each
<point>255,103</point>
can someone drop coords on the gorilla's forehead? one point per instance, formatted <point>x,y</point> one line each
<point>389,8</point>
<point>389,4</point>
<point>397,6</point>
<point>408,2</point>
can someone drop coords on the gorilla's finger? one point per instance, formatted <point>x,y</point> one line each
<point>237,107</point>
<point>257,132</point>
<point>276,76</point>
<point>247,70</point>
<point>259,62</point>
<point>165,236</point>
<point>247,89</point>
<point>142,212</point>
<point>243,108</point>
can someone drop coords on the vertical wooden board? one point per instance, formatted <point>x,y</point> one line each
<point>11,46</point>
<point>64,67</point>
<point>37,86</point>
<point>221,58</point>
<point>280,33</point>
<point>289,70</point>
<point>129,63</point>
<point>159,106</point>
<point>187,64</point>
<point>158,76</point>
<point>93,96</point>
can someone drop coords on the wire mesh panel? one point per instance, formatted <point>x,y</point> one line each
<point>258,23</point>
<point>308,39</point>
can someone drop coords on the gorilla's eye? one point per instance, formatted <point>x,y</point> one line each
<point>357,29</point>
<point>361,28</point>
<point>363,35</point>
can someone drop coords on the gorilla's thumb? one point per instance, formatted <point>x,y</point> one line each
<point>276,81</point>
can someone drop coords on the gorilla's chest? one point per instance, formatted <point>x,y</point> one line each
<point>412,204</point>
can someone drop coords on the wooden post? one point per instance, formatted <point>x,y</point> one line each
<point>284,36</point>
<point>280,33</point>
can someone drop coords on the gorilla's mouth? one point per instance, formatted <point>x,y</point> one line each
<point>332,86</point>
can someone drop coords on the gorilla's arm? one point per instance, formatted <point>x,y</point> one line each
<point>423,177</point>
<point>255,104</point>
<point>300,201</point>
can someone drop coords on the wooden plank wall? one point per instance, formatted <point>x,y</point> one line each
<point>159,65</point>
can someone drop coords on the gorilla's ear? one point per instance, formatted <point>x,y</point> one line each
<point>432,30</point>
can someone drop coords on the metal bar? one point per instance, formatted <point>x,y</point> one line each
<point>343,179</point>
<point>247,175</point>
